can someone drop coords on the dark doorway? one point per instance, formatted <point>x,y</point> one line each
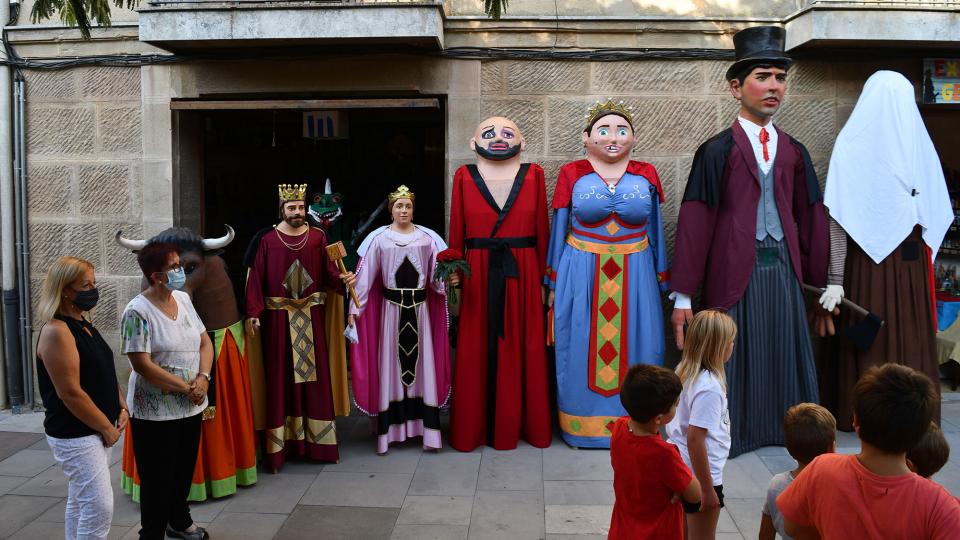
<point>245,154</point>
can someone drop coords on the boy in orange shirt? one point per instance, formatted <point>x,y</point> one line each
<point>647,471</point>
<point>873,495</point>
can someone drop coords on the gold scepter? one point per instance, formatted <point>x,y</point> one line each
<point>336,251</point>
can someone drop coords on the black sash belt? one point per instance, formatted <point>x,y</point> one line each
<point>405,298</point>
<point>408,329</point>
<point>501,265</point>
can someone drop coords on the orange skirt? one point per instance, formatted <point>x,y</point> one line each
<point>227,456</point>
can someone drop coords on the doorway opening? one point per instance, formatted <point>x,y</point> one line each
<point>229,161</point>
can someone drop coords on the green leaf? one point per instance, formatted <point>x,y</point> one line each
<point>78,13</point>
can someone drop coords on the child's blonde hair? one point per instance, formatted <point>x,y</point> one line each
<point>709,335</point>
<point>62,273</point>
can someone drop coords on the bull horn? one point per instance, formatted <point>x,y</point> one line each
<point>219,243</point>
<point>132,245</point>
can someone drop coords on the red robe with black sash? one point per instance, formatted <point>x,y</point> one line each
<point>500,393</point>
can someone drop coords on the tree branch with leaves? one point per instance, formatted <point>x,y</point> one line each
<point>78,13</point>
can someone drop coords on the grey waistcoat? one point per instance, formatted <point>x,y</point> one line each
<point>768,218</point>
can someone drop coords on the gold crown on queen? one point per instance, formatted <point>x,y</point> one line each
<point>609,107</point>
<point>293,192</point>
<point>402,192</point>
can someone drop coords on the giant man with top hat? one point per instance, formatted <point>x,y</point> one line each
<point>752,228</point>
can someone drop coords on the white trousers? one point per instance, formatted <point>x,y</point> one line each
<point>86,462</point>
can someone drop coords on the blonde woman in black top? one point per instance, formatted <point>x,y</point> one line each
<point>85,411</point>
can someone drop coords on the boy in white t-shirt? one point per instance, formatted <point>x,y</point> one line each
<point>809,430</point>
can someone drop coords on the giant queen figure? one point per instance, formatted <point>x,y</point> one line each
<point>608,265</point>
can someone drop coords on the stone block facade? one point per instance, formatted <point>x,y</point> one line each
<point>84,178</point>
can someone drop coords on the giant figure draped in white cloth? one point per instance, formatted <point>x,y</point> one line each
<point>889,210</point>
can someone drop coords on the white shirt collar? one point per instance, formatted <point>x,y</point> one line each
<point>754,129</point>
<point>753,134</point>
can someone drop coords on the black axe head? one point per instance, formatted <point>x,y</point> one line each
<point>864,332</point>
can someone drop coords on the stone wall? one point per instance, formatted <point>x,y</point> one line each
<point>85,179</point>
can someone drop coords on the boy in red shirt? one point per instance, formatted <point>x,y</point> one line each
<point>873,494</point>
<point>648,472</point>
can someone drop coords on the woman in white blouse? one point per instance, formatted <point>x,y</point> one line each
<point>171,355</point>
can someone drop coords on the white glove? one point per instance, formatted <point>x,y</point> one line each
<point>831,297</point>
<point>680,300</point>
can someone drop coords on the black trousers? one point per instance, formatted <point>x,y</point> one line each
<point>166,453</point>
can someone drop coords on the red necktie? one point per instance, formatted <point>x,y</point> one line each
<point>764,138</point>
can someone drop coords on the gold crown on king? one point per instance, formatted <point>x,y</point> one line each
<point>608,107</point>
<point>293,192</point>
<point>402,192</point>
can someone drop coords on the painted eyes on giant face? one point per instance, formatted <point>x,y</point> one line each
<point>603,132</point>
<point>622,132</point>
<point>488,134</point>
<point>507,133</point>
<point>190,268</point>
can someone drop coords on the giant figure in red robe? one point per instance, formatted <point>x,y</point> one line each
<point>291,279</point>
<point>498,218</point>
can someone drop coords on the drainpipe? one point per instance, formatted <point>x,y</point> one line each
<point>13,376</point>
<point>22,234</point>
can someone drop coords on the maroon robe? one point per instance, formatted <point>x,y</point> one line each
<point>716,231</point>
<point>300,415</point>
<point>500,393</point>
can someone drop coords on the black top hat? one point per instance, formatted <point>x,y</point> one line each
<point>756,45</point>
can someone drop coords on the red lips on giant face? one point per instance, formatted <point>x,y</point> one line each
<point>498,146</point>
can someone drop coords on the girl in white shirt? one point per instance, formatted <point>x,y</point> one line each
<point>701,427</point>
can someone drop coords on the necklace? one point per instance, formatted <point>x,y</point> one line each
<point>165,309</point>
<point>296,246</point>
<point>611,186</point>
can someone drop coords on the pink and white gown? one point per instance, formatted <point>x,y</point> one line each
<point>401,362</point>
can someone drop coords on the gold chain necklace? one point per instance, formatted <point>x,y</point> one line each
<point>296,246</point>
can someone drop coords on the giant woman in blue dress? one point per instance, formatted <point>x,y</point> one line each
<point>607,265</point>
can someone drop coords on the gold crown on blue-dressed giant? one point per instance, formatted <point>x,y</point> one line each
<point>293,192</point>
<point>609,107</point>
<point>402,192</point>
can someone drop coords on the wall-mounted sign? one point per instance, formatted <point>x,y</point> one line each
<point>941,80</point>
<point>325,125</point>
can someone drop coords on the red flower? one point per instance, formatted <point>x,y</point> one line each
<point>449,255</point>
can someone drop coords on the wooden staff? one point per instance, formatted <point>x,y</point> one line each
<point>337,252</point>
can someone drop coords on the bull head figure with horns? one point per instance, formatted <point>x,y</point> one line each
<point>207,283</point>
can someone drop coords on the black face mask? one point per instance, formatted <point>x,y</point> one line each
<point>86,300</point>
<point>498,155</point>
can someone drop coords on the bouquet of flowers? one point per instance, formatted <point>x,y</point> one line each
<point>450,261</point>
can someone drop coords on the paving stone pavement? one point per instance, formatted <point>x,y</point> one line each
<point>557,493</point>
